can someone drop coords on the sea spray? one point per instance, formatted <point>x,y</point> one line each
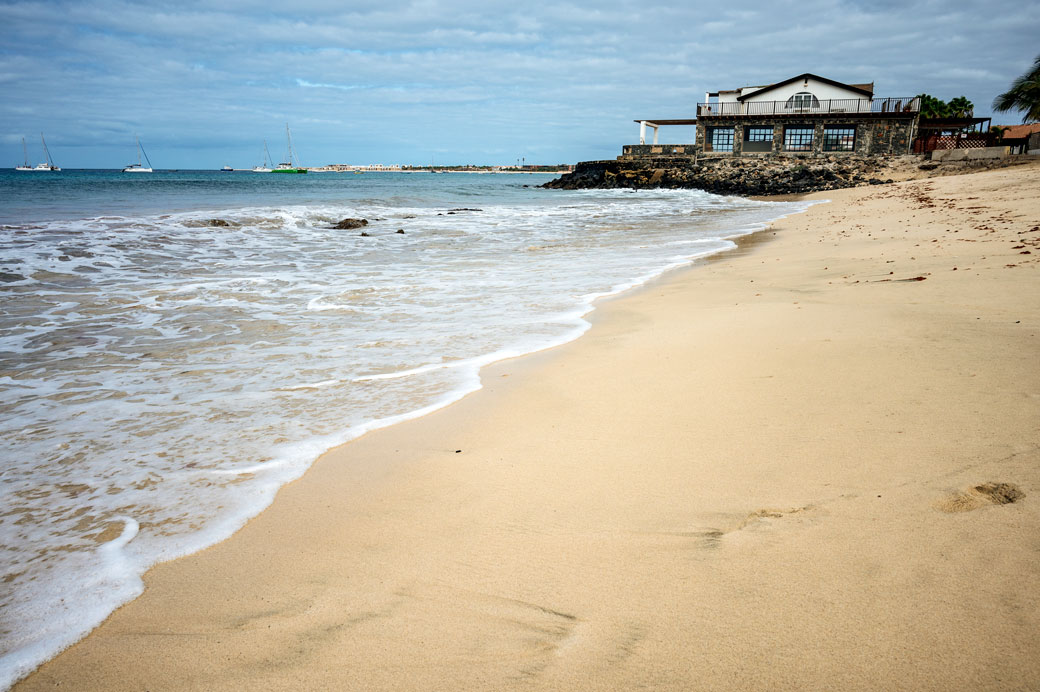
<point>162,377</point>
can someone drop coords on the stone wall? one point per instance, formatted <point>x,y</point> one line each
<point>726,174</point>
<point>658,149</point>
<point>874,136</point>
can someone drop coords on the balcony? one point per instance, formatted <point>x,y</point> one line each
<point>910,104</point>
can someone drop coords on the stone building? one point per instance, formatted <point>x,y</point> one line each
<point>803,115</point>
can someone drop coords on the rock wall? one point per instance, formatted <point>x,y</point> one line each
<point>726,175</point>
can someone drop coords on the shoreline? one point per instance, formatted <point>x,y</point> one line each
<point>478,550</point>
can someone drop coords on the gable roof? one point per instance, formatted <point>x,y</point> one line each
<point>865,89</point>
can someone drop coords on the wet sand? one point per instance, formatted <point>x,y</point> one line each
<point>813,463</point>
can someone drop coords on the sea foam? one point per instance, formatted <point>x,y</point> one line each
<point>162,378</point>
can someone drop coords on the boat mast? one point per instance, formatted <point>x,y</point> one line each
<point>292,154</point>
<point>267,157</point>
<point>46,151</point>
<point>142,151</point>
<point>25,153</point>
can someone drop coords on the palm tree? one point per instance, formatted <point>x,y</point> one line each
<point>932,107</point>
<point>961,107</point>
<point>1024,95</point>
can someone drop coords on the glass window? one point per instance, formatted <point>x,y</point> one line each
<point>839,138</point>
<point>803,100</point>
<point>798,138</point>
<point>722,139</point>
<point>758,134</point>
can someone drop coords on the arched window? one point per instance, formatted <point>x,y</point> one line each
<point>803,100</point>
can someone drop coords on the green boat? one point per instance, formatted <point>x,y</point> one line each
<point>292,165</point>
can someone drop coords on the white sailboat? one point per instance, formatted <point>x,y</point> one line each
<point>25,152</point>
<point>48,165</point>
<point>265,166</point>
<point>138,167</point>
<point>292,165</point>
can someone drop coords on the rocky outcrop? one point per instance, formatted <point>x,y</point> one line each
<point>726,175</point>
<point>350,224</point>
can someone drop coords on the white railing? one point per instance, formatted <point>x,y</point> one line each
<point>910,104</point>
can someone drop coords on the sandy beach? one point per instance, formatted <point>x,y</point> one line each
<point>810,463</point>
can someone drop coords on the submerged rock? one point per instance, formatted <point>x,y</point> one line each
<point>349,224</point>
<point>217,222</point>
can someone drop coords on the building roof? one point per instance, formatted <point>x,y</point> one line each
<point>666,122</point>
<point>865,89</point>
<point>1019,131</point>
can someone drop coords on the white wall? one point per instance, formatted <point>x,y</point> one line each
<point>820,90</point>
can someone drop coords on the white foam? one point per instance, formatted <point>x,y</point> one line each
<point>184,354</point>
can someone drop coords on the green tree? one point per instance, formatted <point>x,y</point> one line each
<point>1024,95</point>
<point>961,107</point>
<point>932,107</point>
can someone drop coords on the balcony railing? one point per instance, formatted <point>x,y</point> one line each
<point>910,104</point>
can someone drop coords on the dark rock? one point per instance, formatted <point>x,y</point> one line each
<point>724,174</point>
<point>217,222</point>
<point>400,230</point>
<point>349,224</point>
<point>365,234</point>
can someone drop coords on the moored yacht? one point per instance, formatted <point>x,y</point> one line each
<point>292,165</point>
<point>25,152</point>
<point>138,167</point>
<point>47,165</point>
<point>265,166</point>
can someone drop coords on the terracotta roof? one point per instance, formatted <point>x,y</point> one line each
<point>1020,131</point>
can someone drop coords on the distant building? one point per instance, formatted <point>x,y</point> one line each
<point>803,115</point>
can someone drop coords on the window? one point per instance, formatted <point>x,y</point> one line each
<point>721,139</point>
<point>758,140</point>
<point>758,134</point>
<point>839,138</point>
<point>798,138</point>
<point>803,100</point>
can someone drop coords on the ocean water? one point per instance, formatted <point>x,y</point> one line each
<point>161,377</point>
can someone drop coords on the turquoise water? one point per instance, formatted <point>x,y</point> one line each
<point>71,194</point>
<point>161,378</point>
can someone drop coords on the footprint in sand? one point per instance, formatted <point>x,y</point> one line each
<point>980,496</point>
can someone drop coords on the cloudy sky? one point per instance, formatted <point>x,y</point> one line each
<point>460,81</point>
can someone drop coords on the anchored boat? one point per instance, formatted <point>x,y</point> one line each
<point>265,166</point>
<point>25,152</point>
<point>138,167</point>
<point>48,165</point>
<point>292,165</point>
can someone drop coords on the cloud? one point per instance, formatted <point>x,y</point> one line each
<point>204,82</point>
<point>342,87</point>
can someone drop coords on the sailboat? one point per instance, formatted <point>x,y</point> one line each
<point>265,166</point>
<point>47,165</point>
<point>25,152</point>
<point>137,167</point>
<point>292,165</point>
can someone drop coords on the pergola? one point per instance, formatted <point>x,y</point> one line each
<point>654,124</point>
<point>952,133</point>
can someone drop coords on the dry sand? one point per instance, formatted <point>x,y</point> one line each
<point>765,472</point>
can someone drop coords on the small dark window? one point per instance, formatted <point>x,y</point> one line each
<point>839,138</point>
<point>803,100</point>
<point>721,139</point>
<point>758,134</point>
<point>798,138</point>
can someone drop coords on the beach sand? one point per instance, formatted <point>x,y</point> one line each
<point>790,467</point>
